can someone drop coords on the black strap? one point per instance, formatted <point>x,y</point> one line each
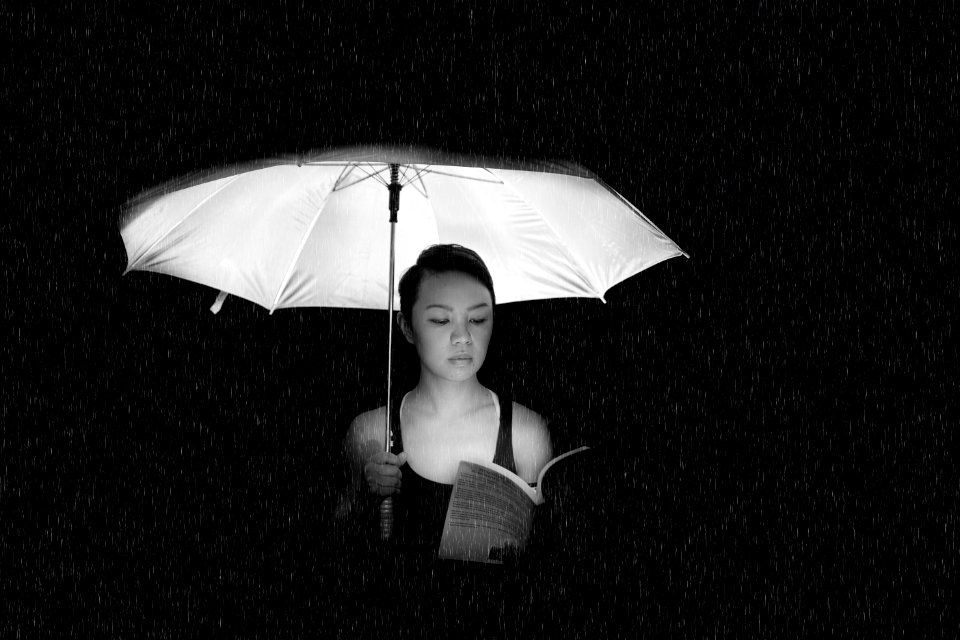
<point>503,456</point>
<point>397,447</point>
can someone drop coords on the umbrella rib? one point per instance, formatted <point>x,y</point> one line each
<point>346,171</point>
<point>376,176</point>
<point>296,257</point>
<point>419,189</point>
<point>416,169</point>
<point>423,185</point>
<point>460,176</point>
<point>640,214</point>
<point>403,174</point>
<point>562,245</point>
<point>422,189</point>
<point>166,233</point>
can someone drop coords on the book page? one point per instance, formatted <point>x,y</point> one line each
<point>488,517</point>
<point>567,471</point>
<point>543,471</point>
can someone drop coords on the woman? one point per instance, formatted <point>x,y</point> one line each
<point>447,313</point>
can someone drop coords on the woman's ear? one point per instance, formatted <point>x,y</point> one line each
<point>405,327</point>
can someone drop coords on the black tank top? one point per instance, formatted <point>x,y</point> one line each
<point>421,506</point>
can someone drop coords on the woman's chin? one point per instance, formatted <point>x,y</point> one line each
<point>458,373</point>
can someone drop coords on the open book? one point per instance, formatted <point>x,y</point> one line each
<point>490,514</point>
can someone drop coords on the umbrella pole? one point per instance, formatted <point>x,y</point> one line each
<point>386,506</point>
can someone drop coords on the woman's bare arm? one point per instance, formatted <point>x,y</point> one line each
<point>532,447</point>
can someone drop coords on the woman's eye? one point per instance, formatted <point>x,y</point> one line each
<point>478,320</point>
<point>438,321</point>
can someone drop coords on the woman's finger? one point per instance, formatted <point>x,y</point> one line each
<point>383,457</point>
<point>389,471</point>
<point>384,486</point>
<point>381,470</point>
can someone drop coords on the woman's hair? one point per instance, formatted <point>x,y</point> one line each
<point>441,258</point>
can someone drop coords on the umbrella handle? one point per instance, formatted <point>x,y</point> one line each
<point>386,518</point>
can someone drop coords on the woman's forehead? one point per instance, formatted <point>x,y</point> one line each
<point>452,288</point>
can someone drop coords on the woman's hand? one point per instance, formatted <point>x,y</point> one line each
<point>382,473</point>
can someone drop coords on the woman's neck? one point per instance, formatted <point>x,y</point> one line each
<point>441,398</point>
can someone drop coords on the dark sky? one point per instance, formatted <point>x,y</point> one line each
<point>773,410</point>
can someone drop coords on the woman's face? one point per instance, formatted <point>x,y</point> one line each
<point>451,325</point>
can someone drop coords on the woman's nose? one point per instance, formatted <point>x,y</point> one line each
<point>461,334</point>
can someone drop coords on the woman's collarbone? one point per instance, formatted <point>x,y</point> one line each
<point>435,448</point>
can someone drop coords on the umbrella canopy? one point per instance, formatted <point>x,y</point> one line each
<point>311,232</point>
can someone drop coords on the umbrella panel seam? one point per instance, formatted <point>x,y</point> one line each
<point>571,255</point>
<point>296,256</point>
<point>166,233</point>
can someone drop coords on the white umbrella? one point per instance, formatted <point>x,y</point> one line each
<point>311,232</point>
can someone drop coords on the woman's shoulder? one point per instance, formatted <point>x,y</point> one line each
<point>532,446</point>
<point>529,427</point>
<point>525,418</point>
<point>367,425</point>
<point>371,417</point>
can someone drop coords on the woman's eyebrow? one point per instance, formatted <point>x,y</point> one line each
<point>449,308</point>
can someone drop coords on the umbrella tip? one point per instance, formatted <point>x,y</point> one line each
<point>218,303</point>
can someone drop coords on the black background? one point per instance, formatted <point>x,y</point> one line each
<point>773,409</point>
